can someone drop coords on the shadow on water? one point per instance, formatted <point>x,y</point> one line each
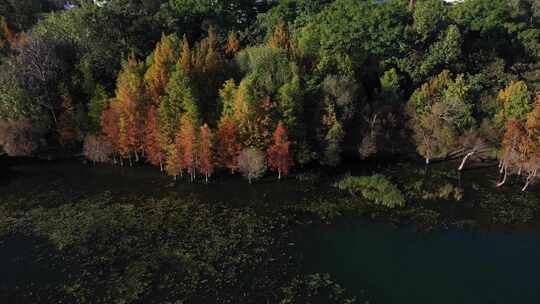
<point>30,267</point>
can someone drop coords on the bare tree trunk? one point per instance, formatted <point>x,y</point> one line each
<point>519,171</point>
<point>136,156</point>
<point>527,183</point>
<point>465,160</point>
<point>504,178</point>
<point>279,174</point>
<point>54,117</point>
<point>121,161</point>
<point>160,166</point>
<point>206,176</point>
<point>130,162</point>
<point>427,160</point>
<point>529,179</point>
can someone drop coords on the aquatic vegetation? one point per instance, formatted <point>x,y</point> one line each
<point>123,251</point>
<point>316,288</point>
<point>376,189</point>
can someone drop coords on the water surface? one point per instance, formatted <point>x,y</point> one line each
<point>401,265</point>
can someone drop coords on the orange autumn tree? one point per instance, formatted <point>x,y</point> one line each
<point>516,147</point>
<point>110,126</point>
<point>185,58</point>
<point>280,37</point>
<point>8,40</point>
<point>205,152</point>
<point>173,165</point>
<point>155,154</point>
<point>532,126</point>
<point>279,155</point>
<point>161,64</point>
<point>233,45</point>
<point>131,105</point>
<point>228,146</point>
<point>187,144</point>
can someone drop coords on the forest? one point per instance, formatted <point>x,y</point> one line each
<point>191,86</point>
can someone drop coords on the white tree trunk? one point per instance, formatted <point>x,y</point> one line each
<point>504,178</point>
<point>427,160</point>
<point>465,160</point>
<point>527,183</point>
<point>161,166</point>
<point>529,179</point>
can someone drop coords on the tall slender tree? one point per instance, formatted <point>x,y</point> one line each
<point>155,153</point>
<point>205,153</point>
<point>179,99</point>
<point>173,166</point>
<point>110,125</point>
<point>279,154</point>
<point>233,44</point>
<point>132,108</point>
<point>161,64</point>
<point>228,146</point>
<point>187,142</point>
<point>186,58</point>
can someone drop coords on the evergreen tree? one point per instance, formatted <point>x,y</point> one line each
<point>160,66</point>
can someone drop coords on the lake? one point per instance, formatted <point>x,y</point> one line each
<point>392,265</point>
<point>402,265</point>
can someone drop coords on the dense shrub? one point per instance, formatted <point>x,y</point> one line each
<point>376,189</point>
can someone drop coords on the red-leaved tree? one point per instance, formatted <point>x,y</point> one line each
<point>110,127</point>
<point>279,155</point>
<point>228,144</point>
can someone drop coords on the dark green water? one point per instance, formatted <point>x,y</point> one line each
<point>401,265</point>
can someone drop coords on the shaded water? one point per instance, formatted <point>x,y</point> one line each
<point>401,265</point>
